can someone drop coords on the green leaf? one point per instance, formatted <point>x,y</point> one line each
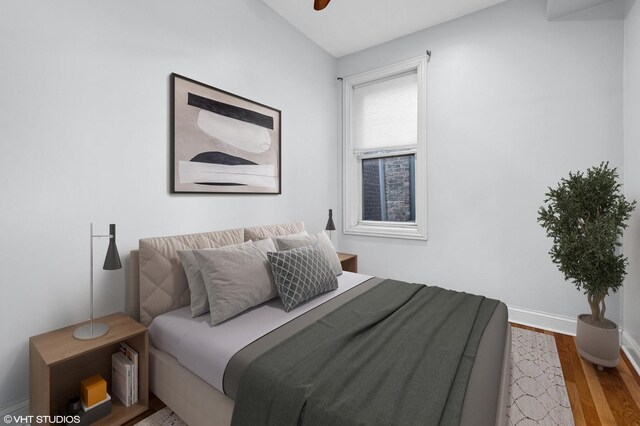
<point>585,216</point>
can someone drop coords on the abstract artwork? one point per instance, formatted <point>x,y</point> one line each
<point>222,143</point>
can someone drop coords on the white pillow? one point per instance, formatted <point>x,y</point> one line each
<point>191,266</point>
<point>236,278</point>
<point>289,237</point>
<point>321,238</point>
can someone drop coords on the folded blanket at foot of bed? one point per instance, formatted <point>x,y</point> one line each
<point>400,353</point>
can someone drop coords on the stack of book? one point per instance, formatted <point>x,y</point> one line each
<point>124,375</point>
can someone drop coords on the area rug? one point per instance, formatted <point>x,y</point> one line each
<point>164,417</point>
<point>538,394</point>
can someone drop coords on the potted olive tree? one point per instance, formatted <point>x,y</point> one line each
<point>585,216</point>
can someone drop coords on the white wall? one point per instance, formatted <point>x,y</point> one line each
<point>514,103</point>
<point>632,169</point>
<point>84,114</point>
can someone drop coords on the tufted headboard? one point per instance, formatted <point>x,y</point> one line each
<point>157,283</point>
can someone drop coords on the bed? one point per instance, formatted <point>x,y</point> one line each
<point>201,387</point>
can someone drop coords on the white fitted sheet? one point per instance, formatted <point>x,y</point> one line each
<point>206,350</point>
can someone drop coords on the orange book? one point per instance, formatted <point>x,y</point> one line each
<point>93,390</point>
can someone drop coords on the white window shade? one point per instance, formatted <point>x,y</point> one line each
<point>385,113</point>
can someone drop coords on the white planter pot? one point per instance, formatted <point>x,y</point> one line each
<point>599,343</point>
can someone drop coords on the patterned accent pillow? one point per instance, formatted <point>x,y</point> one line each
<point>300,274</point>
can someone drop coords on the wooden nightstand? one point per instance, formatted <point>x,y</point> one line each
<point>58,362</point>
<point>349,262</point>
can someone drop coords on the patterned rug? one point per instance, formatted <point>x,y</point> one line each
<point>538,395</point>
<point>164,417</point>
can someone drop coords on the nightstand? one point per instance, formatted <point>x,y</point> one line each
<point>349,262</point>
<point>58,362</point>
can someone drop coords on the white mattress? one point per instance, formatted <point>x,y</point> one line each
<point>206,350</point>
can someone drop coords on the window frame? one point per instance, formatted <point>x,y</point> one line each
<point>353,224</point>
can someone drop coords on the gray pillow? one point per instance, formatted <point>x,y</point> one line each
<point>197,289</point>
<point>236,278</point>
<point>301,274</point>
<point>288,243</point>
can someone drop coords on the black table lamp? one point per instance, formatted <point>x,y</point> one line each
<point>330,225</point>
<point>111,262</point>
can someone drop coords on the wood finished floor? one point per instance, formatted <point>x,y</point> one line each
<point>609,397</point>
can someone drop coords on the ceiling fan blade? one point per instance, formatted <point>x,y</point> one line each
<point>320,4</point>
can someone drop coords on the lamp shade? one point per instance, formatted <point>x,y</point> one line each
<point>330,225</point>
<point>112,260</point>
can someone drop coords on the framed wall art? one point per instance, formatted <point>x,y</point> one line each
<point>221,142</point>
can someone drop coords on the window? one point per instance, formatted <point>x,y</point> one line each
<point>388,192</point>
<point>385,151</point>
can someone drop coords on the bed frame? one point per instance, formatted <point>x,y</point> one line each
<point>200,404</point>
<point>190,397</point>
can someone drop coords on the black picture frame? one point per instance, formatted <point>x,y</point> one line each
<point>222,143</point>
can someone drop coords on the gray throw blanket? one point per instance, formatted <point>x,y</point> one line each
<point>399,354</point>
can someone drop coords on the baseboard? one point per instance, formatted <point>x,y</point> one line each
<point>15,409</point>
<point>632,349</point>
<point>556,323</point>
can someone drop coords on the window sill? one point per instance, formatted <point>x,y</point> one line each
<point>408,232</point>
